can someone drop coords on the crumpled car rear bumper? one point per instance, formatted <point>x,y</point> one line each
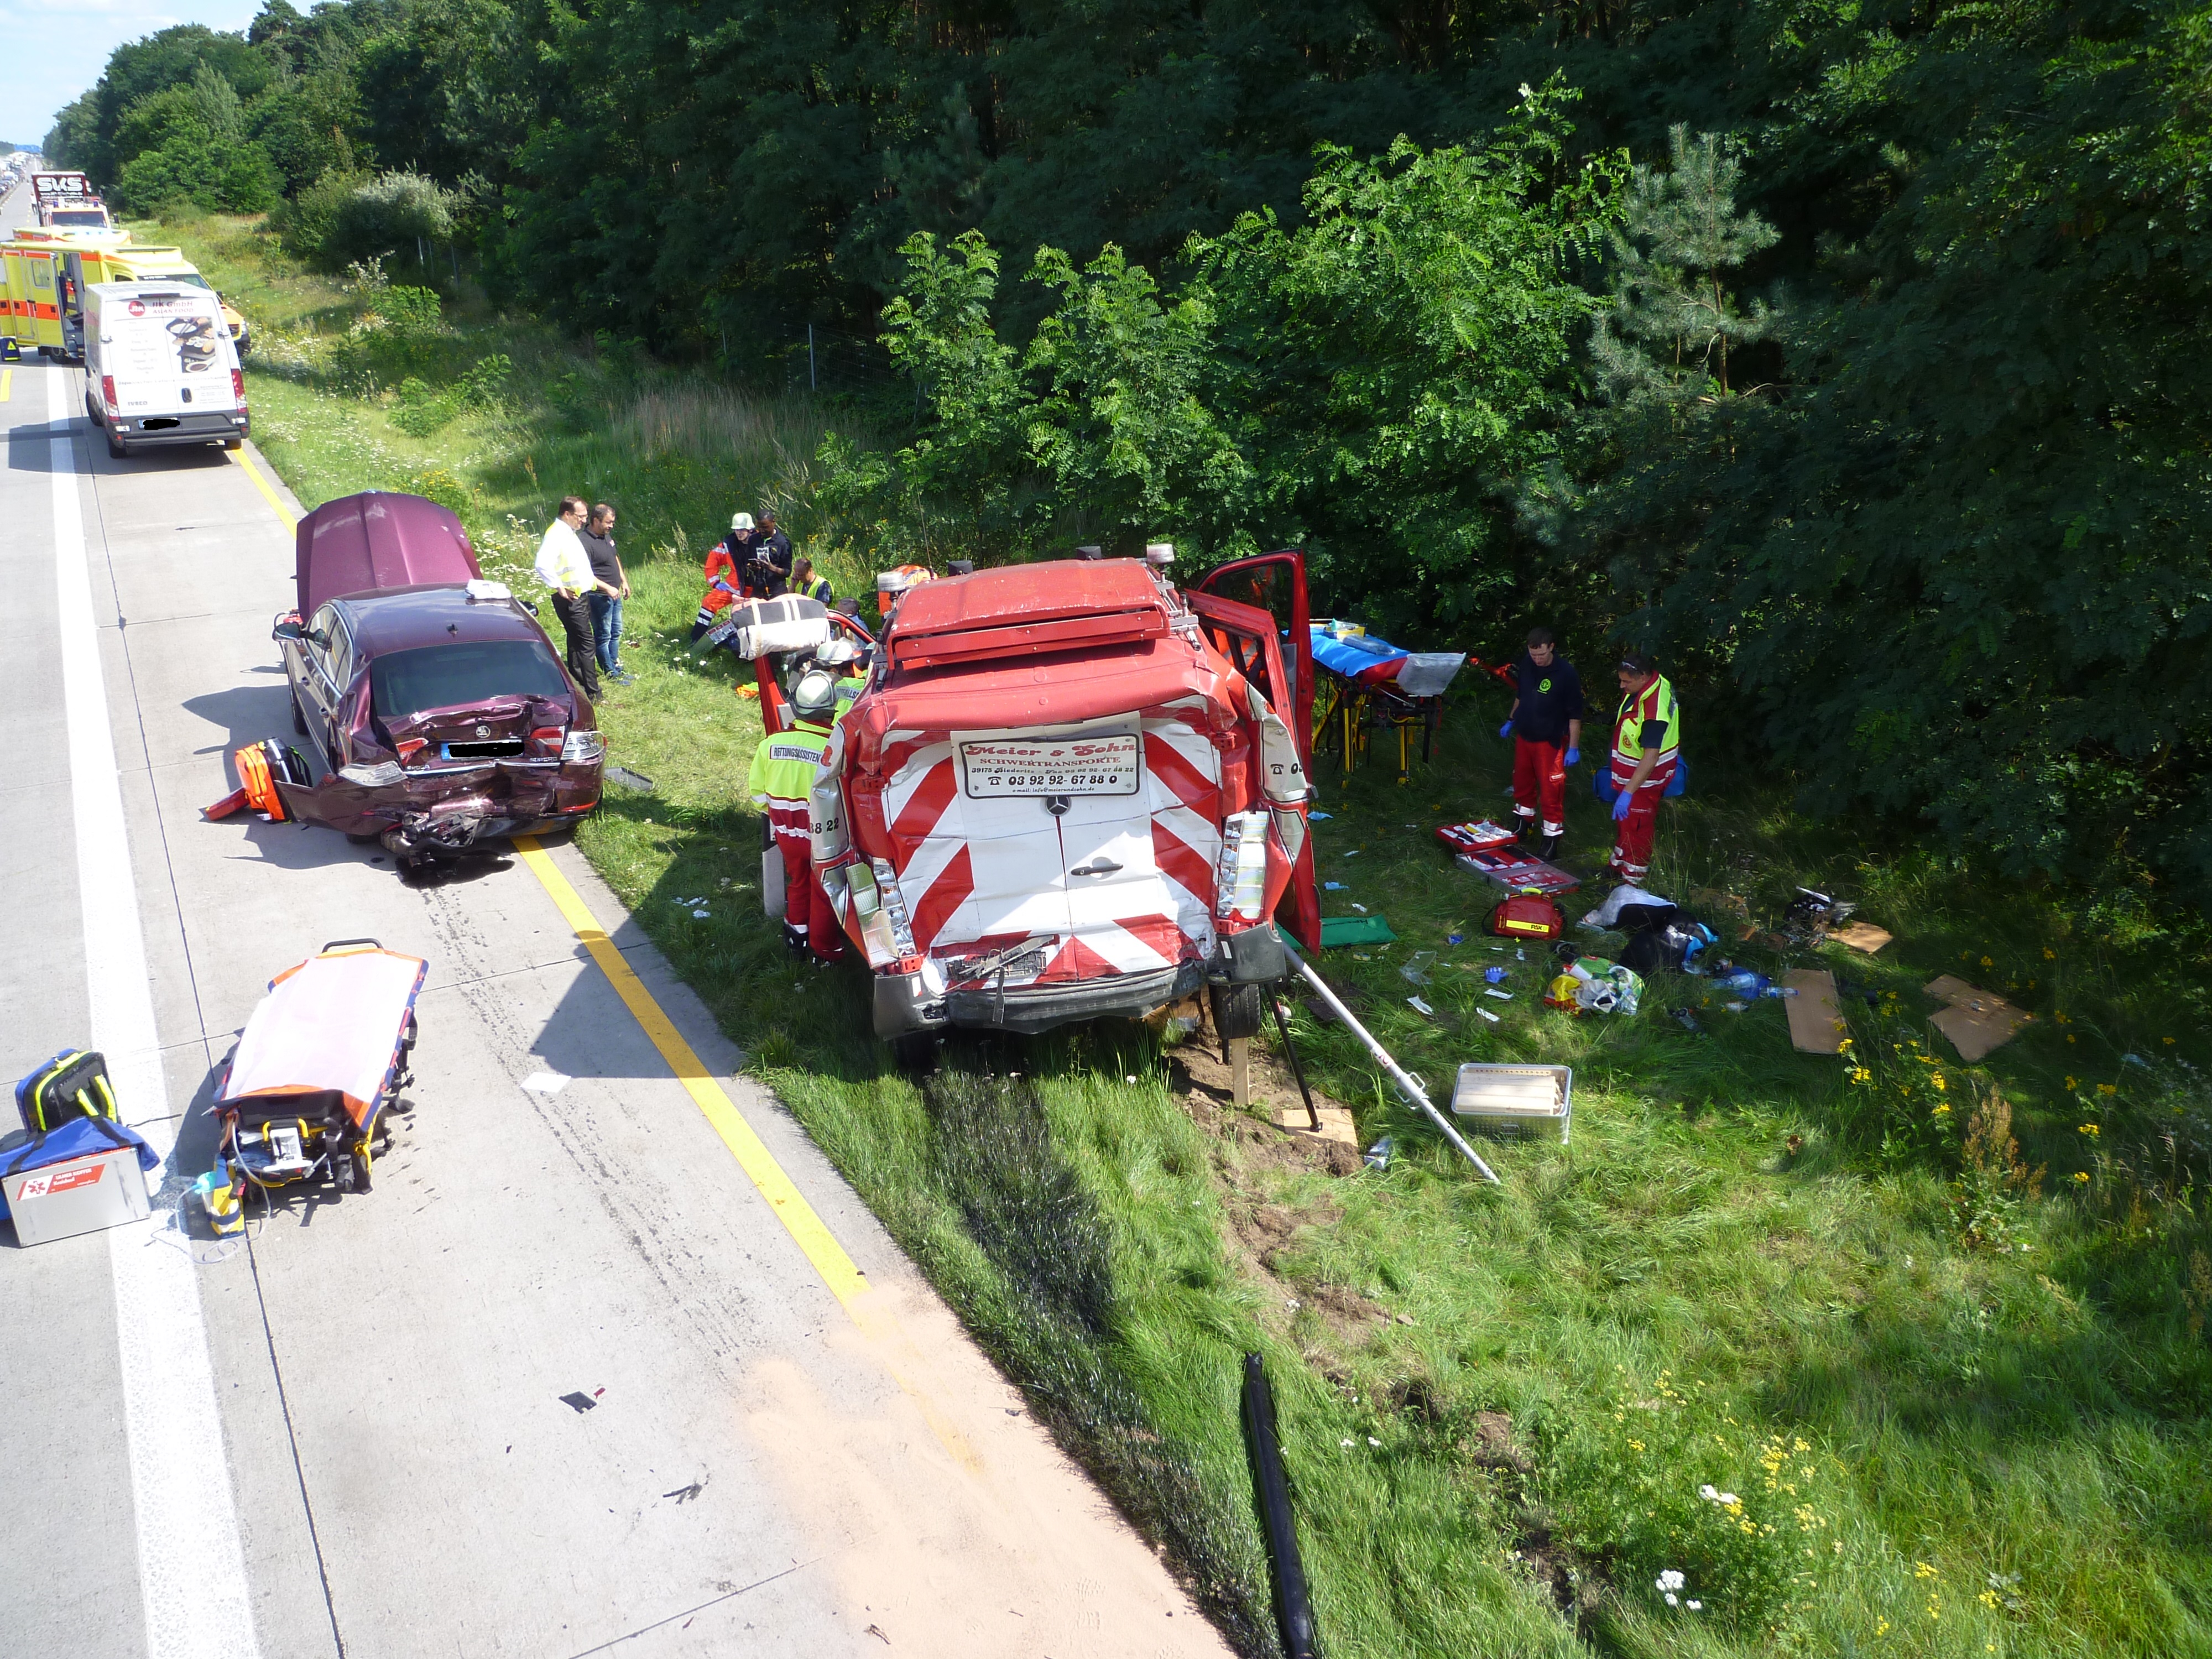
<point>447,811</point>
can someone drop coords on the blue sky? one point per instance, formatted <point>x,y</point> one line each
<point>56,49</point>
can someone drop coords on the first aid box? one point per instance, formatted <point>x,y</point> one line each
<point>80,1196</point>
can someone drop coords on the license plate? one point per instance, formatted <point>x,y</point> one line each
<point>1101,765</point>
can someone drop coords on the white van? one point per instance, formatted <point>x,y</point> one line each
<point>160,366</point>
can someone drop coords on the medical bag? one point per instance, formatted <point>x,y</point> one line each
<point>73,1084</point>
<point>1526,915</point>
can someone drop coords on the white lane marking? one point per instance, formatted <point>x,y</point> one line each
<point>192,1571</point>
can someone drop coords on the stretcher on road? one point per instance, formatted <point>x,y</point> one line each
<point>321,1060</point>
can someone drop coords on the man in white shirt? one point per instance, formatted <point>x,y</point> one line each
<point>562,566</point>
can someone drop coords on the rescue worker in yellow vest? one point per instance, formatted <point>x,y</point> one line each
<point>782,775</point>
<point>1647,743</point>
<point>807,585</point>
<point>842,658</point>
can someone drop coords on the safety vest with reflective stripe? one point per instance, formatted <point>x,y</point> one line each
<point>815,587</point>
<point>783,772</point>
<point>848,691</point>
<point>1655,701</point>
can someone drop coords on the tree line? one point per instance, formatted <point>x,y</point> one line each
<point>1846,355</point>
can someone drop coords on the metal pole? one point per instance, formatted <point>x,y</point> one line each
<point>1414,1094</point>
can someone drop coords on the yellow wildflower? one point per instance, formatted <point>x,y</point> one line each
<point>2108,1088</point>
<point>2088,1128</point>
<point>2071,1084</point>
<point>2050,955</point>
<point>1986,963</point>
<point>2167,1041</point>
<point>2082,1176</point>
<point>1922,1570</point>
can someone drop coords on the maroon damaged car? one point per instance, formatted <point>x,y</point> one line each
<point>440,714</point>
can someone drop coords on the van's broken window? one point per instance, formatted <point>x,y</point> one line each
<point>467,672</point>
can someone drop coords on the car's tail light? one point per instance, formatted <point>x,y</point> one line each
<point>1240,874</point>
<point>376,776</point>
<point>548,738</point>
<point>410,747</point>
<point>238,383</point>
<point>108,389</point>
<point>583,745</point>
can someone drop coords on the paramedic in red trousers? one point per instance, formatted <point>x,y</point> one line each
<point>1546,725</point>
<point>1647,741</point>
<point>782,777</point>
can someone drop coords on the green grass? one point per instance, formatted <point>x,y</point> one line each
<point>1960,1416</point>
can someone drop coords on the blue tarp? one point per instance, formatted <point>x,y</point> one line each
<point>1353,657</point>
<point>81,1137</point>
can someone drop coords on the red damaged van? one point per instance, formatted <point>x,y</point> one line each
<point>1072,790</point>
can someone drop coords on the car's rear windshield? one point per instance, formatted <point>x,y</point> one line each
<point>467,672</point>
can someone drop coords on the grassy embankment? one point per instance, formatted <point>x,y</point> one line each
<point>1957,1396</point>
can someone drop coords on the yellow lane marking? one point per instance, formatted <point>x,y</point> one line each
<point>262,484</point>
<point>806,1228</point>
<point>6,384</point>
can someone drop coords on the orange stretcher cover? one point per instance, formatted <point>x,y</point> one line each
<point>333,1022</point>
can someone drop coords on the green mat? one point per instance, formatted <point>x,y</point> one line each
<point>1354,930</point>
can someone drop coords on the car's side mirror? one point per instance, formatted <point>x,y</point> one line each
<point>287,629</point>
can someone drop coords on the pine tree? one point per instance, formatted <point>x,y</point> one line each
<point>1673,321</point>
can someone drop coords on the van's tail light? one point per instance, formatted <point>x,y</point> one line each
<point>238,383</point>
<point>871,916</point>
<point>410,747</point>
<point>108,389</point>
<point>893,906</point>
<point>1240,874</point>
<point>583,745</point>
<point>548,738</point>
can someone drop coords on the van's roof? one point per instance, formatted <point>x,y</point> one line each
<point>1027,611</point>
<point>378,539</point>
<point>139,287</point>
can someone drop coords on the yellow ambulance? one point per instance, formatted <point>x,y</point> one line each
<point>44,275</point>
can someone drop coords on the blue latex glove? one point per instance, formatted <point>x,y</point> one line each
<point>1620,804</point>
<point>1573,755</point>
<point>1506,730</point>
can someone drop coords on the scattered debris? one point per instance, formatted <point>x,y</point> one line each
<point>1816,1019</point>
<point>1420,1007</point>
<point>685,1494</point>
<point>546,1083</point>
<point>1378,1155</point>
<point>627,779</point>
<point>579,1401</point>
<point>1976,1021</point>
<point>1862,936</point>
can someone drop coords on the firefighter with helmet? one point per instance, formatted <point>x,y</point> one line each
<point>729,562</point>
<point>782,779</point>
<point>842,660</point>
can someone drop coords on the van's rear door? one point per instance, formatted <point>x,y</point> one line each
<point>168,353</point>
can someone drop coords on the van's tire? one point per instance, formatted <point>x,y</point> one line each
<point>116,449</point>
<point>915,1055</point>
<point>1239,1011</point>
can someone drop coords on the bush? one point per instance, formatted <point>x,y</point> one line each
<point>222,174</point>
<point>349,218</point>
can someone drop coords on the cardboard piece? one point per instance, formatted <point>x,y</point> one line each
<point>1862,936</point>
<point>1816,1019</point>
<point>1976,1021</point>
<point>1336,1123</point>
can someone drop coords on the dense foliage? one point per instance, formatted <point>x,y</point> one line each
<point>1888,429</point>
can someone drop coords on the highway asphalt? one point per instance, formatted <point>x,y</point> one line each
<point>346,1433</point>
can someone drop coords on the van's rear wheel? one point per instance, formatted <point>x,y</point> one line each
<point>915,1055</point>
<point>1239,1011</point>
<point>116,449</point>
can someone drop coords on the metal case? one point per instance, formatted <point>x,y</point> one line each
<point>1515,1100</point>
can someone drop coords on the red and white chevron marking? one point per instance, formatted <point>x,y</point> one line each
<point>981,875</point>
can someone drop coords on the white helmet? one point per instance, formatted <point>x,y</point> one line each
<point>836,654</point>
<point>815,697</point>
<point>741,521</point>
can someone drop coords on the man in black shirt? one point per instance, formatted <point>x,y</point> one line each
<point>598,536</point>
<point>771,557</point>
<point>1546,725</point>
